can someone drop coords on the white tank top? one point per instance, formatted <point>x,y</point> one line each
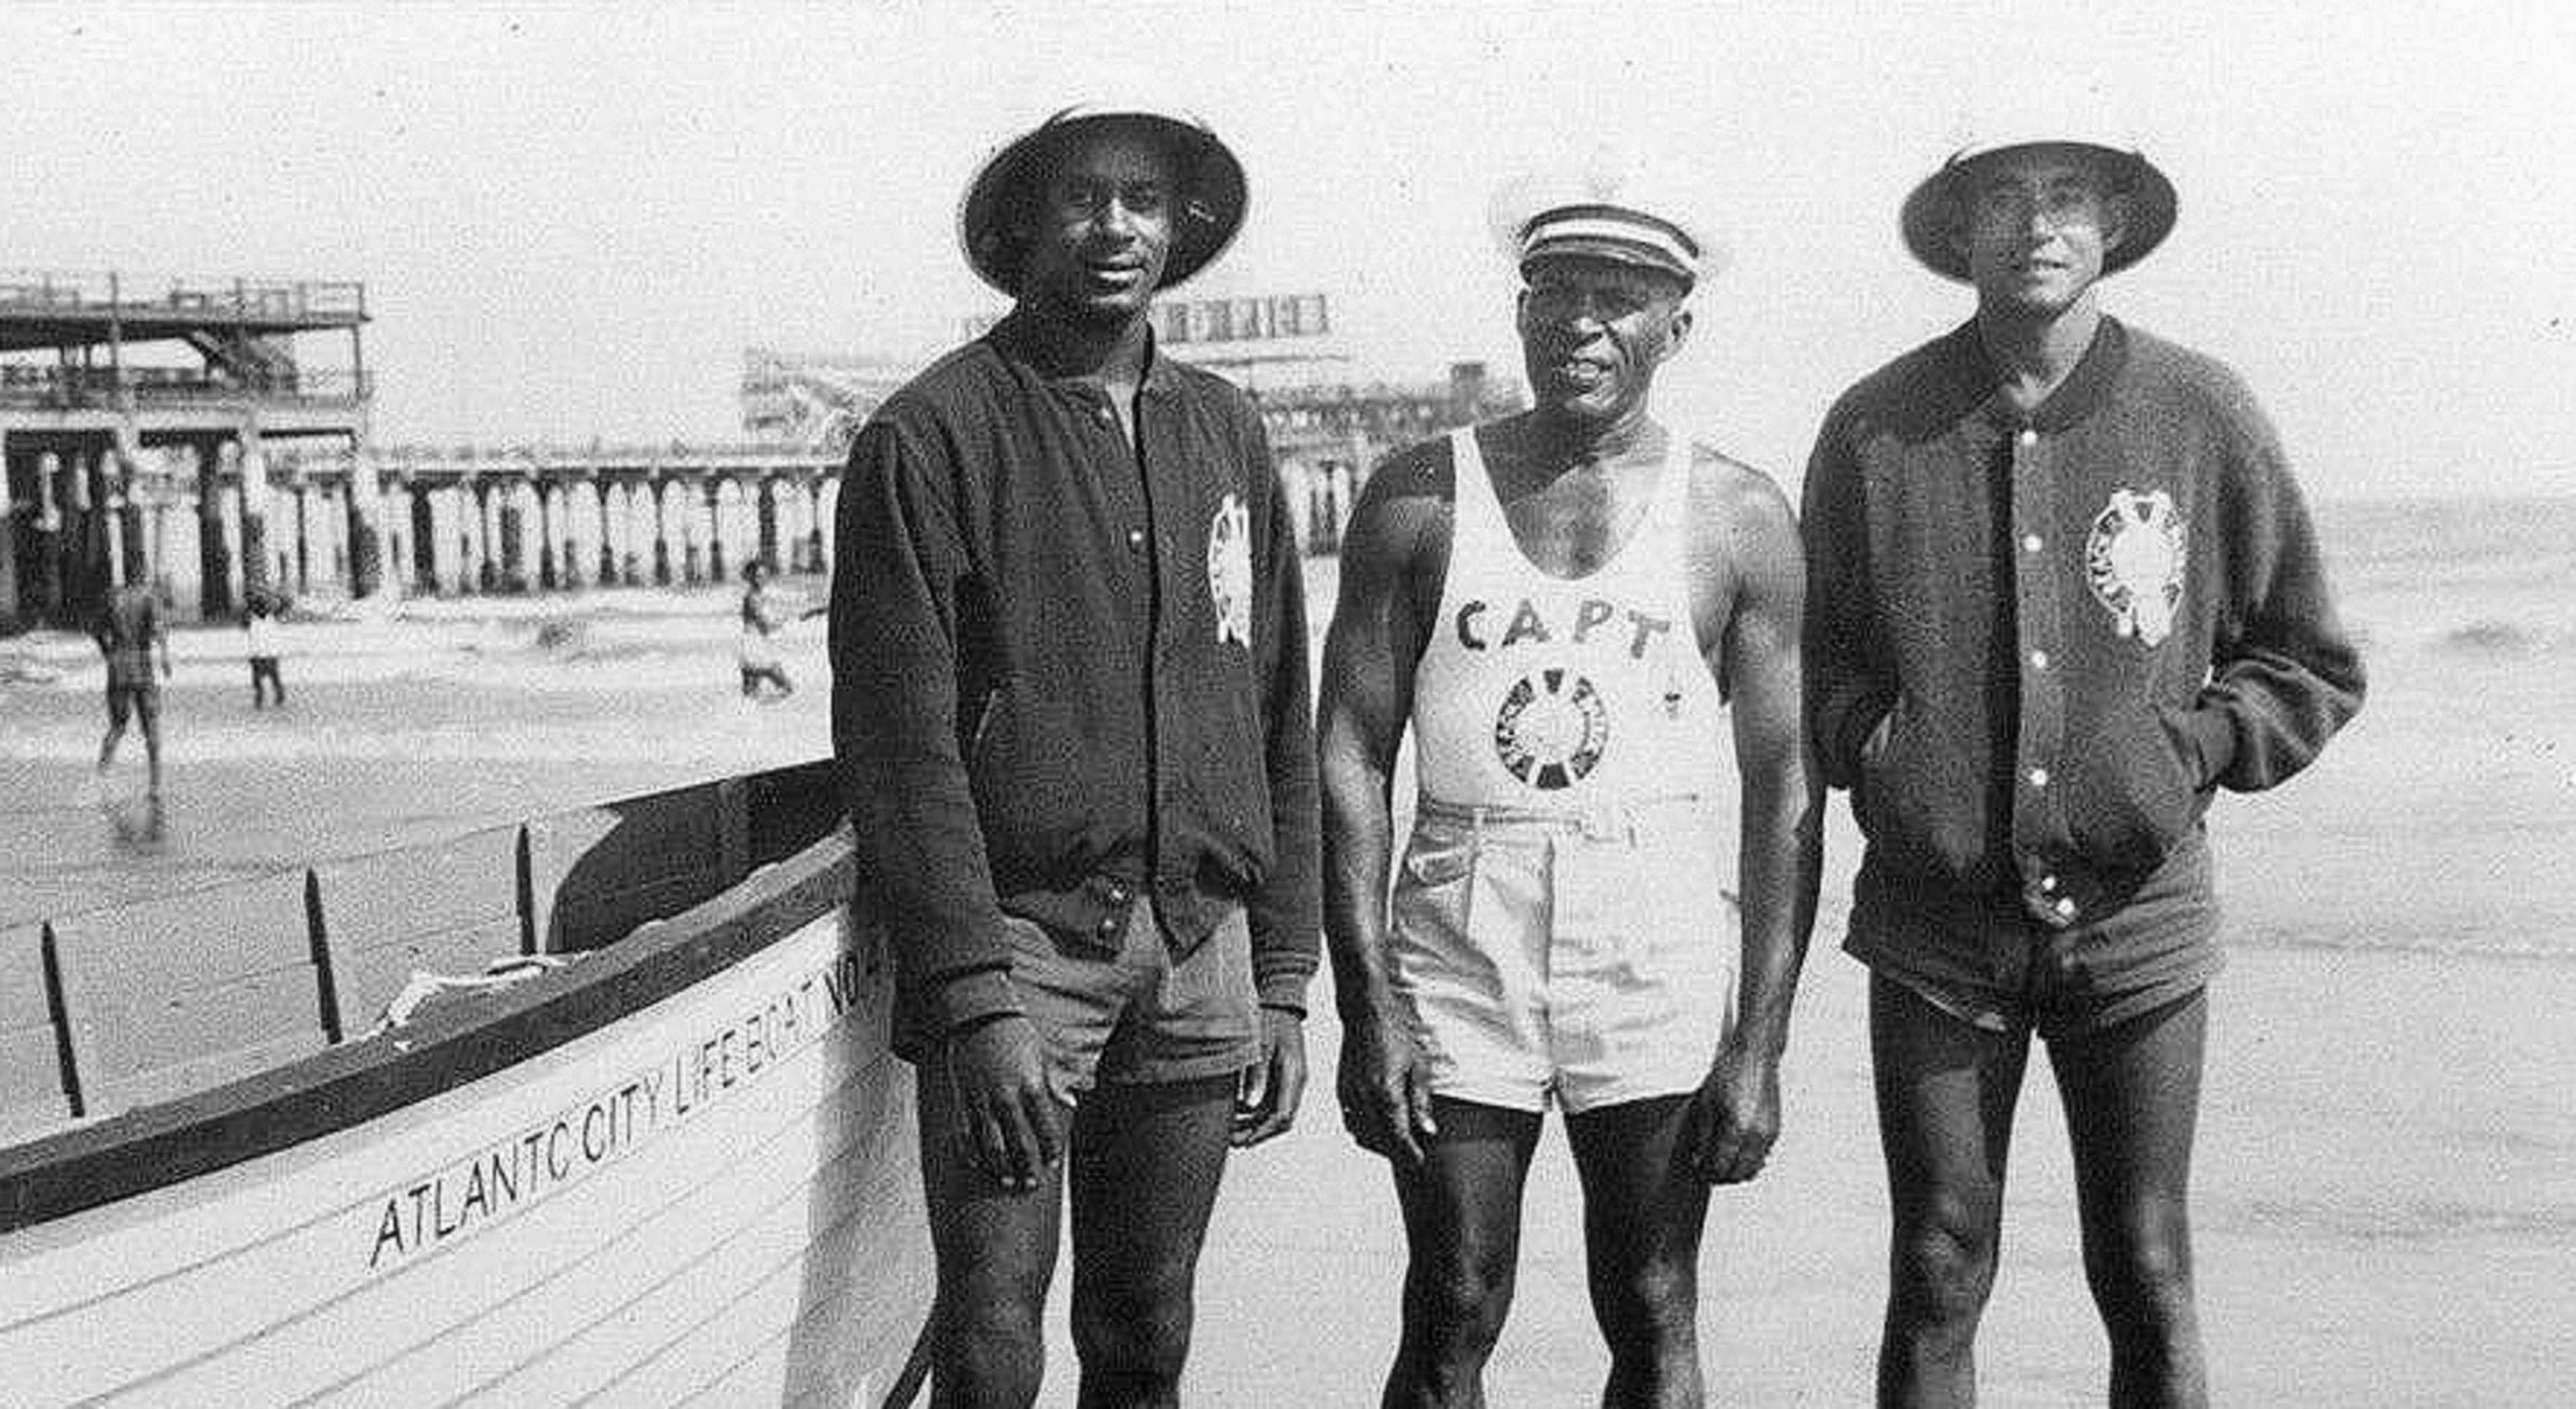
<point>1567,695</point>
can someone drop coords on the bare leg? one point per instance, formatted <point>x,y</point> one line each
<point>117,705</point>
<point>1642,1215</point>
<point>148,706</point>
<point>1146,1162</point>
<point>1462,1227</point>
<point>1946,1091</point>
<point>996,1254</point>
<point>2132,1098</point>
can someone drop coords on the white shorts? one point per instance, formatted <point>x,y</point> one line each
<point>1591,957</point>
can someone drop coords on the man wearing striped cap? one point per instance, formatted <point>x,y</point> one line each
<point>1591,628</point>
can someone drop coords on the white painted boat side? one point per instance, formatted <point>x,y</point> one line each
<point>717,1189</point>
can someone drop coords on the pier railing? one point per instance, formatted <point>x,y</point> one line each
<point>67,292</point>
<point>51,384</point>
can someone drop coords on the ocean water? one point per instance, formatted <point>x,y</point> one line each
<point>2444,818</point>
<point>2437,579</point>
<point>2442,821</point>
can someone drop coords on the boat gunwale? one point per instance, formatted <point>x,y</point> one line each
<point>61,1173</point>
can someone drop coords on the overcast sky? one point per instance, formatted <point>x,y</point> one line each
<point>572,220</point>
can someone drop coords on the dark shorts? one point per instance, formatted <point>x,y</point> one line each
<point>1142,1014</point>
<point>128,699</point>
<point>1137,1015</point>
<point>1988,963</point>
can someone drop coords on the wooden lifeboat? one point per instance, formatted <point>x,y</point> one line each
<point>664,1156</point>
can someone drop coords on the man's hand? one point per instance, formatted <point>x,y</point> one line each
<point>1875,746</point>
<point>1006,1116</point>
<point>1385,1089</point>
<point>1735,1117</point>
<point>1265,1103</point>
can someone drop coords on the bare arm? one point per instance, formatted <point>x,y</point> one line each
<point>1392,560</point>
<point>1781,841</point>
<point>1780,824</point>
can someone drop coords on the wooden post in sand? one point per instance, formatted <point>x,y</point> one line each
<point>813,490</point>
<point>364,515</point>
<point>8,547</point>
<point>214,552</point>
<point>135,563</point>
<point>722,511</point>
<point>567,511</point>
<point>683,499</point>
<point>597,487</point>
<point>49,537</point>
<point>251,463</point>
<point>765,508</point>
<point>658,503</point>
<point>545,535</point>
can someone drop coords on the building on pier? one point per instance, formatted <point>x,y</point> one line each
<point>1328,427</point>
<point>138,421</point>
<point>815,399</point>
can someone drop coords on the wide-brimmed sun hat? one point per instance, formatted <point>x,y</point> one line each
<point>1607,206</point>
<point>1930,215</point>
<point>1210,203</point>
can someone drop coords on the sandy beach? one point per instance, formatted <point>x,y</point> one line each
<point>2386,1184</point>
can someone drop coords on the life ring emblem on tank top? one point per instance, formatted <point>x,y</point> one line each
<point>2133,560</point>
<point>1551,729</point>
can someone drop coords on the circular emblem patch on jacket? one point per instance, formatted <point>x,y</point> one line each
<point>2133,560</point>
<point>1229,566</point>
<point>1551,729</point>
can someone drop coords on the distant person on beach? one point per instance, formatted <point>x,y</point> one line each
<point>128,630</point>
<point>1591,627</point>
<point>765,612</point>
<point>1068,647</point>
<point>259,631</point>
<point>2062,588</point>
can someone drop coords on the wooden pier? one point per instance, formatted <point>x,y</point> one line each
<point>211,438</point>
<point>124,398</point>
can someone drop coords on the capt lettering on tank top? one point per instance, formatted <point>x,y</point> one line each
<point>1541,691</point>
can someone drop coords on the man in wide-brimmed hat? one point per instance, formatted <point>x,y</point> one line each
<point>1070,710</point>
<point>1590,627</point>
<point>2062,588</point>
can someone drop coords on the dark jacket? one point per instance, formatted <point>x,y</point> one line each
<point>2077,627</point>
<point>1060,679</point>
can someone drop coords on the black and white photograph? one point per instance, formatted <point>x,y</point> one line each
<point>1274,705</point>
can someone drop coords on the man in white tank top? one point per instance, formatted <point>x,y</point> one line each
<point>1591,627</point>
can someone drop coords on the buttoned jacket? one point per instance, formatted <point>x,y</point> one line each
<point>2077,624</point>
<point>1069,669</point>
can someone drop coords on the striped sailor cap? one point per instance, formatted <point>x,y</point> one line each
<point>1608,208</point>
